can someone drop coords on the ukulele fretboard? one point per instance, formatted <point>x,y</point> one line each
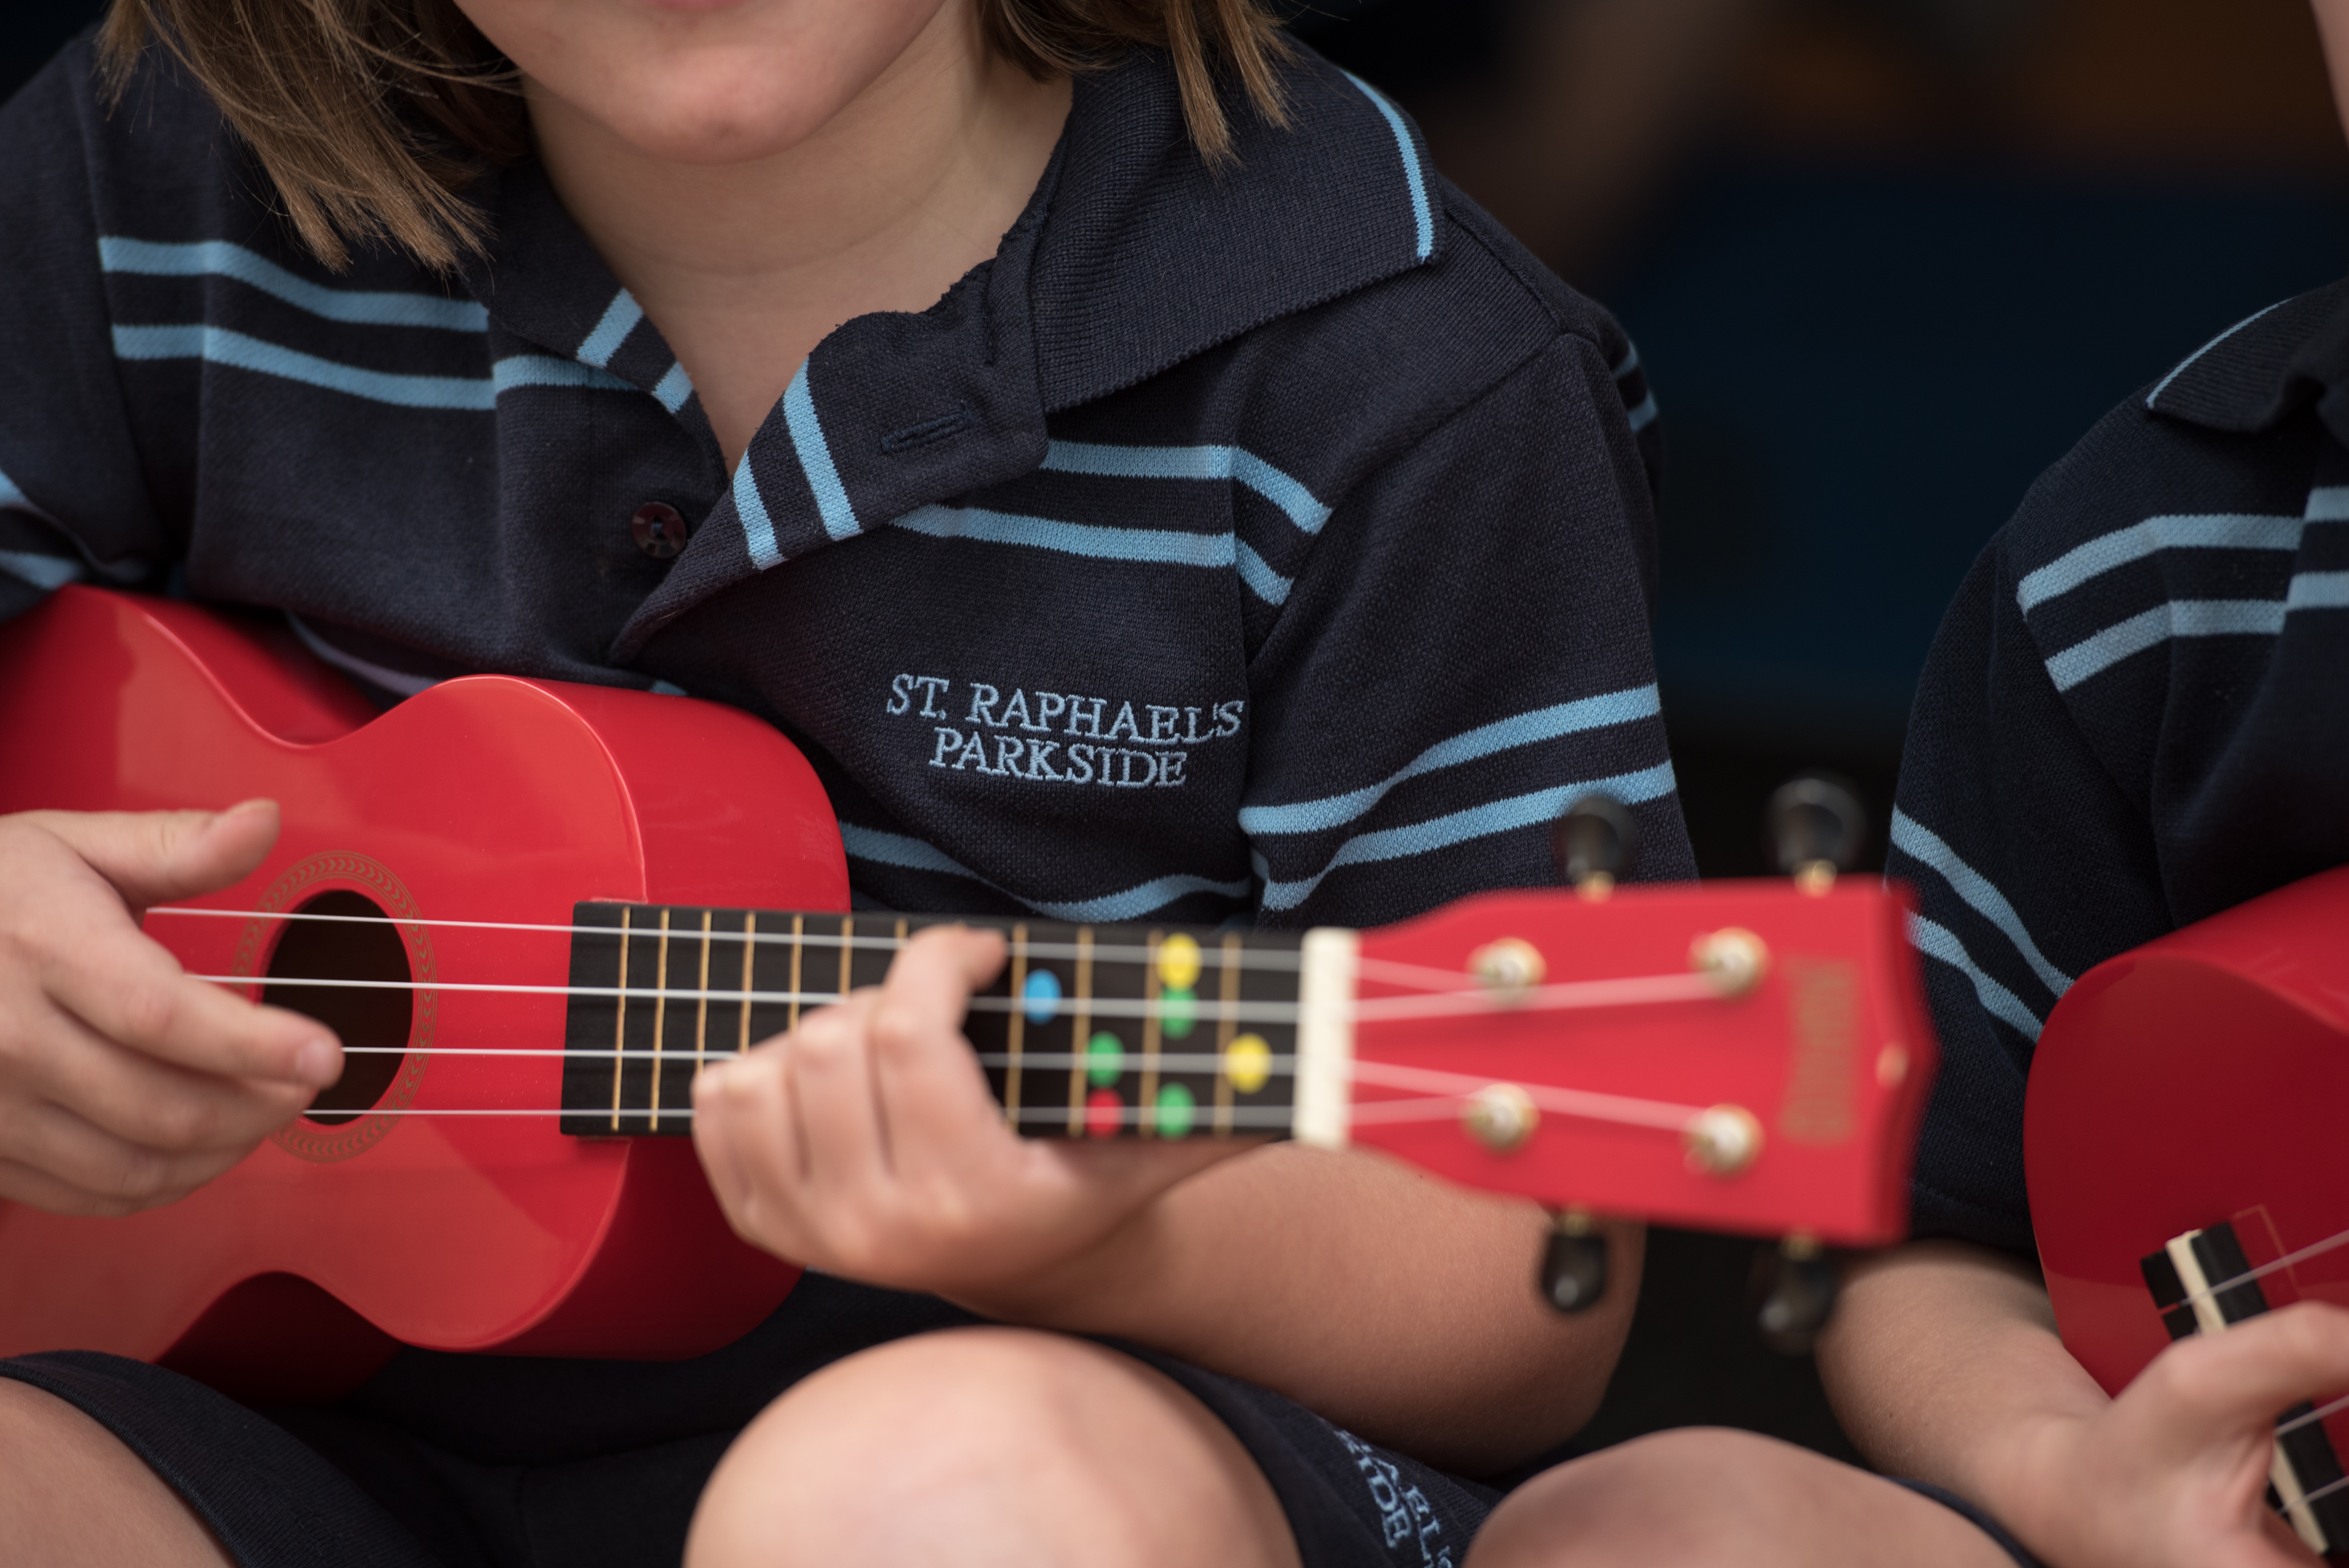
<point>1089,1031</point>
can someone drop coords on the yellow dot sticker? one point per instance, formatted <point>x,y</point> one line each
<point>1247,1062</point>
<point>1178,963</point>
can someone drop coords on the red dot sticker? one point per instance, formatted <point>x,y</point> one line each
<point>1104,1113</point>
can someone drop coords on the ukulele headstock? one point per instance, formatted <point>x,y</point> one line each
<point>1734,1056</point>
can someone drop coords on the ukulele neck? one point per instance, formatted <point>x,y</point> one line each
<point>1089,1031</point>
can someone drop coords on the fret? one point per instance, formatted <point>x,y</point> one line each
<point>620,1022</point>
<point>1146,1105</point>
<point>1015,1024</point>
<point>1122,1010</point>
<point>701,1016</point>
<point>1081,1031</point>
<point>1227,1027</point>
<point>799,931</point>
<point>750,951</point>
<point>660,1015</point>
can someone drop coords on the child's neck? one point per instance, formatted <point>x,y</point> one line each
<point>745,266</point>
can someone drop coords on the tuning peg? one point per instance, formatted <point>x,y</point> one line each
<point>1817,827</point>
<point>1595,843</point>
<point>1795,1289</point>
<point>1574,1264</point>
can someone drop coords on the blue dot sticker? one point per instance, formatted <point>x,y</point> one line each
<point>1041,997</point>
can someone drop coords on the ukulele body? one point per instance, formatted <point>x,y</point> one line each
<point>2200,1078</point>
<point>488,798</point>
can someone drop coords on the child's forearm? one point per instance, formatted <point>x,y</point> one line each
<point>1399,1306</point>
<point>1942,1363</point>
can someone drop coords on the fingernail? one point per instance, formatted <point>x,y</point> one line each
<point>317,1063</point>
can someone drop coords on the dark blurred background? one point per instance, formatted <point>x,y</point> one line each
<point>1886,261</point>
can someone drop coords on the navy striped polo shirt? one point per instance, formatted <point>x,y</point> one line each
<point>2136,714</point>
<point>1265,543</point>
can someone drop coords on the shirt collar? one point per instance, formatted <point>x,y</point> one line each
<point>1133,255</point>
<point>2267,368</point>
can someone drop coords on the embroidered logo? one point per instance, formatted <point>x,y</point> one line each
<point>1060,738</point>
<point>1404,1512</point>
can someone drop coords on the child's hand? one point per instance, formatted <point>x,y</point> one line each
<point>123,1083</point>
<point>2175,1470</point>
<point>866,1143</point>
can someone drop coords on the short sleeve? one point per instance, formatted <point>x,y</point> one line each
<point>1465,653</point>
<point>73,501</point>
<point>2030,865</point>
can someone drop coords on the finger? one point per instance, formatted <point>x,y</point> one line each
<point>153,857</point>
<point>137,1098</point>
<point>2256,1369</point>
<point>934,1096</point>
<point>830,1071</point>
<point>745,1130</point>
<point>106,1174</point>
<point>125,987</point>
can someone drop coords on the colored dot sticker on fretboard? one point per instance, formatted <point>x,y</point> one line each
<point>1104,1059</point>
<point>1176,1110</point>
<point>1178,963</point>
<point>1179,1013</point>
<point>1104,1113</point>
<point>1247,1063</point>
<point>1041,996</point>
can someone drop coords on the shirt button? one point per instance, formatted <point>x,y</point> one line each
<point>660,529</point>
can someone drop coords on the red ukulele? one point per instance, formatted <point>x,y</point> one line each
<point>533,909</point>
<point>2182,1139</point>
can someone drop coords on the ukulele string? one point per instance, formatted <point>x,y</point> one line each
<point>1570,995</point>
<point>1270,1117</point>
<point>2314,1249</point>
<point>1448,1091</point>
<point>1384,971</point>
<point>2311,1417</point>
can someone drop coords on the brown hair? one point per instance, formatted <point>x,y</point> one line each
<point>373,118</point>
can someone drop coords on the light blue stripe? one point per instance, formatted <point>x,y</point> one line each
<point>389,679</point>
<point>620,318</point>
<point>47,573</point>
<point>1169,547</point>
<point>546,370</point>
<point>1262,581</point>
<point>2084,562</point>
<point>913,854</point>
<point>758,528</point>
<point>1629,362</point>
<point>2318,591</point>
<point>1503,735</point>
<point>1644,414</point>
<point>2163,385</point>
<point>2178,618</point>
<point>218,346</point>
<point>2329,503</point>
<point>674,389</point>
<point>1920,843</point>
<point>1229,463</point>
<point>1420,213</point>
<point>1543,806</point>
<point>1939,942</point>
<point>815,457</point>
<point>667,689</point>
<point>219,258</point>
<point>12,497</point>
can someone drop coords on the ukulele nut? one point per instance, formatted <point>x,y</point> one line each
<point>1508,968</point>
<point>1501,1117</point>
<point>1721,1139</point>
<point>1733,958</point>
<point>1817,878</point>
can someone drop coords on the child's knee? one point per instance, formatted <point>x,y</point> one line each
<point>980,1443</point>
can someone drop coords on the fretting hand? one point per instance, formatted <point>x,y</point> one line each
<point>123,1083</point>
<point>2175,1470</point>
<point>866,1143</point>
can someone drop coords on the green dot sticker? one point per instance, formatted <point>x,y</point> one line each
<point>1178,1111</point>
<point>1178,1012</point>
<point>1104,1059</point>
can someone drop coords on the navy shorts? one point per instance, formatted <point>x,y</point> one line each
<point>1989,1526</point>
<point>484,1462</point>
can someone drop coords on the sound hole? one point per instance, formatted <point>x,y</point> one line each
<point>372,1025</point>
